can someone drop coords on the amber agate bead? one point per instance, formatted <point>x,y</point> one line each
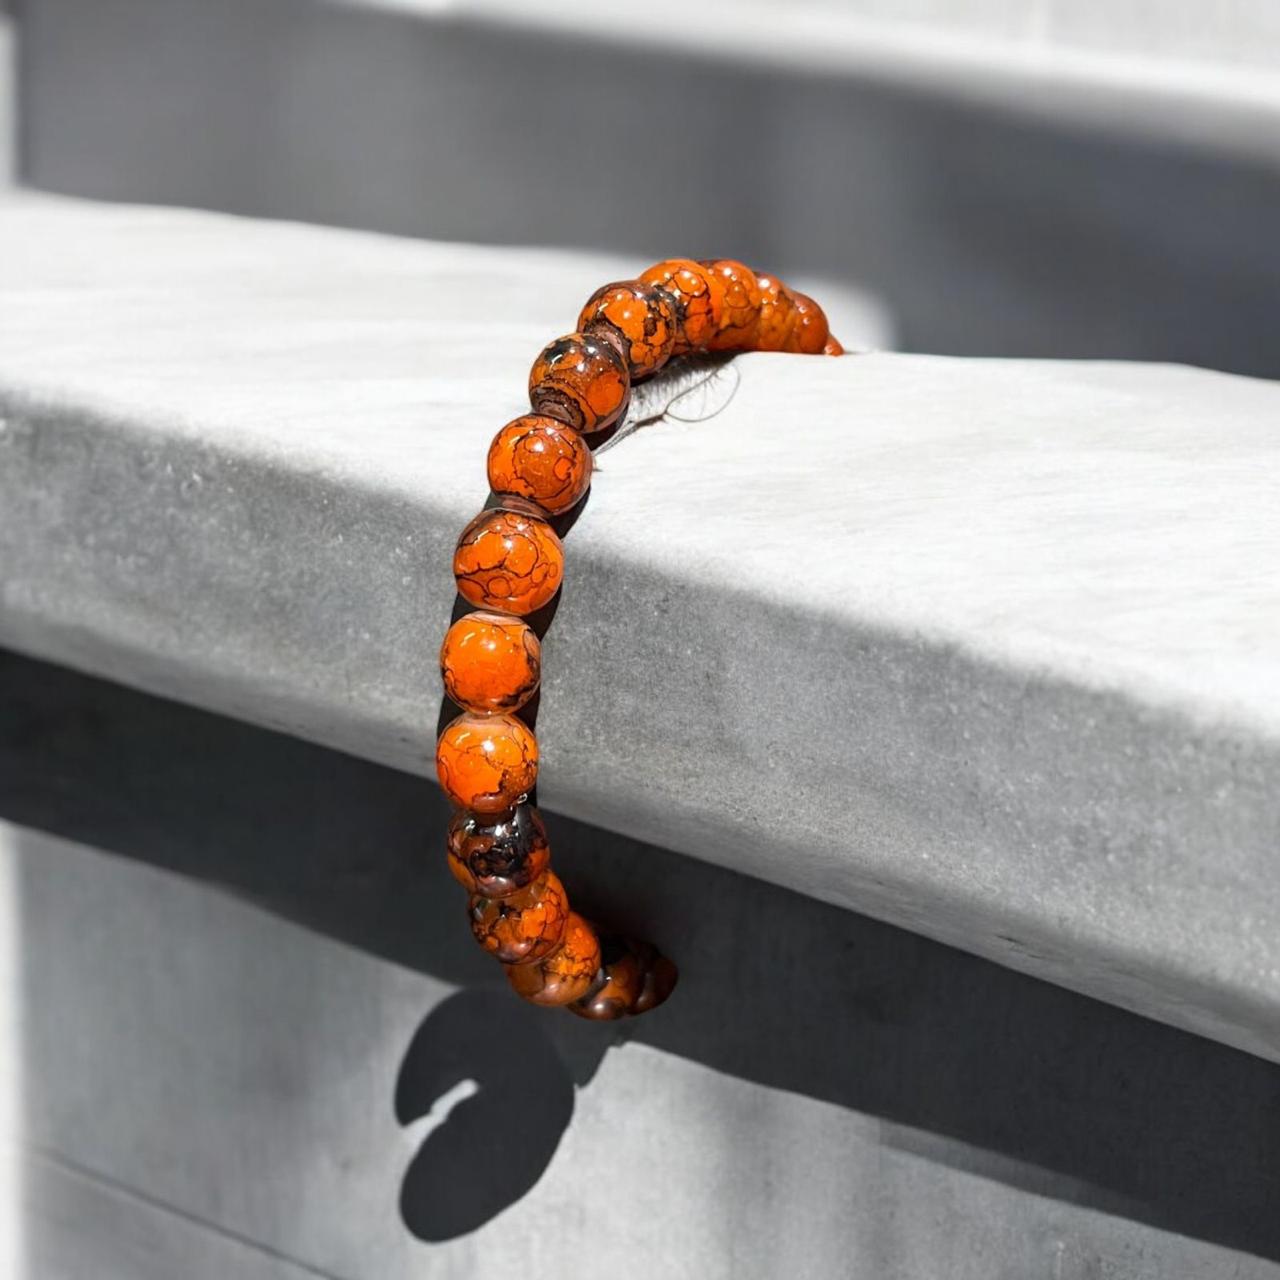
<point>740,307</point>
<point>832,346</point>
<point>495,856</point>
<point>616,988</point>
<point>524,927</point>
<point>565,975</point>
<point>508,560</point>
<point>582,380</point>
<point>777,314</point>
<point>642,318</point>
<point>487,763</point>
<point>490,662</point>
<point>809,333</point>
<point>698,296</point>
<point>541,459</point>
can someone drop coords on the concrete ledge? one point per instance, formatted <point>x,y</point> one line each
<point>987,649</point>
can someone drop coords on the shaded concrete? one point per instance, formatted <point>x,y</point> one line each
<point>206,1077</point>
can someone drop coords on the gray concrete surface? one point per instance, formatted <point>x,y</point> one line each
<point>986,649</point>
<point>247,998</point>
<point>1004,196</point>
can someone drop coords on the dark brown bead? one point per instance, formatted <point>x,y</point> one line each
<point>498,856</point>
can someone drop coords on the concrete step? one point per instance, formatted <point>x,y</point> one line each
<point>984,648</point>
<point>1000,180</point>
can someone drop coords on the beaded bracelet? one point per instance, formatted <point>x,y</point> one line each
<point>509,563</point>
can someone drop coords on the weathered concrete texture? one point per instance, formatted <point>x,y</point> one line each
<point>988,649</point>
<point>1004,196</point>
<point>211,1090</point>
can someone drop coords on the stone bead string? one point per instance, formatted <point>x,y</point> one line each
<point>509,564</point>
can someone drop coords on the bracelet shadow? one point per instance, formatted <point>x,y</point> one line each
<point>995,1072</point>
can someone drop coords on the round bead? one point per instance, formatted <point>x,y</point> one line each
<point>508,560</point>
<point>736,323</point>
<point>487,763</point>
<point>833,346</point>
<point>641,317</point>
<point>698,295</point>
<point>777,314</point>
<point>490,662</point>
<point>525,927</point>
<point>616,988</point>
<point>809,335</point>
<point>496,856</point>
<point>658,983</point>
<point>582,380</point>
<point>567,974</point>
<point>539,458</point>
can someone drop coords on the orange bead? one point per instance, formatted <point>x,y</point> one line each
<point>496,855</point>
<point>490,662</point>
<point>541,459</point>
<point>508,560</point>
<point>623,978</point>
<point>640,317</point>
<point>699,298</point>
<point>487,764</point>
<point>567,974</point>
<point>740,310</point>
<point>777,314</point>
<point>833,346</point>
<point>582,380</point>
<point>526,926</point>
<point>809,334</point>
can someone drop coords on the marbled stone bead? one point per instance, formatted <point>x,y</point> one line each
<point>641,318</point>
<point>540,458</point>
<point>777,314</point>
<point>740,307</point>
<point>496,855</point>
<point>582,380</point>
<point>524,927</point>
<point>617,985</point>
<point>698,296</point>
<point>508,560</point>
<point>565,975</point>
<point>487,764</point>
<point>490,662</point>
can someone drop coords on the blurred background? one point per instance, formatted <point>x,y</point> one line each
<point>1092,178</point>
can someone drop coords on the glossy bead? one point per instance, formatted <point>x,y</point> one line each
<point>498,855</point>
<point>740,309</point>
<point>487,763</point>
<point>567,974</point>
<point>525,927</point>
<point>508,560</point>
<point>832,346</point>
<point>777,314</point>
<point>616,988</point>
<point>582,380</point>
<point>490,662</point>
<point>541,459</point>
<point>641,317</point>
<point>659,981</point>
<point>809,334</point>
<point>699,298</point>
